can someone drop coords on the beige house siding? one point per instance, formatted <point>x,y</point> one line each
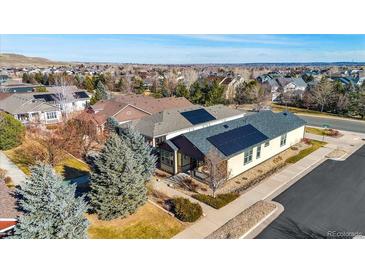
<point>235,164</point>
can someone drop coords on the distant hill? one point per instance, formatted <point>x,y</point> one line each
<point>16,60</point>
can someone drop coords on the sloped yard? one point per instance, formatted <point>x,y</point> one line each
<point>69,167</point>
<point>149,222</point>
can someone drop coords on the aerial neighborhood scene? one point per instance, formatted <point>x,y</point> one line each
<point>127,137</point>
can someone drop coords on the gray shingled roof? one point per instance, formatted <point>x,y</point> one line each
<point>171,120</point>
<point>23,103</point>
<point>269,123</point>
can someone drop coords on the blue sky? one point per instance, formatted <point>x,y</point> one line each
<point>187,49</point>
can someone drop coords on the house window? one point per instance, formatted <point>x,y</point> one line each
<point>51,115</point>
<point>267,143</point>
<point>258,152</point>
<point>248,157</point>
<point>167,157</point>
<point>283,140</point>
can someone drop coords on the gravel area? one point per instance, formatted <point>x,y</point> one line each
<point>244,221</point>
<point>337,153</point>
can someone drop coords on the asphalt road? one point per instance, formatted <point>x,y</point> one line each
<point>341,124</point>
<point>330,198</point>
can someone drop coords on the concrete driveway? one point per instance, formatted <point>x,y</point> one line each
<point>330,198</point>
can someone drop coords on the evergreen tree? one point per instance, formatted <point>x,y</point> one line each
<point>182,91</point>
<point>12,131</point>
<point>117,190</point>
<point>50,208</point>
<point>146,162</point>
<point>112,123</point>
<point>101,90</point>
<point>100,93</point>
<point>88,83</point>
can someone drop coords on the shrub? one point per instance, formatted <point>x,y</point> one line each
<point>185,210</point>
<point>306,141</point>
<point>217,202</point>
<point>11,131</point>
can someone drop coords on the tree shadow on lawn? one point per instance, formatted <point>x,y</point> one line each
<point>70,172</point>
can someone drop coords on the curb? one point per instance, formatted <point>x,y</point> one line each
<point>259,227</point>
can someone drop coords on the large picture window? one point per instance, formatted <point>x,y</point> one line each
<point>167,157</point>
<point>51,115</point>
<point>248,157</point>
<point>283,140</point>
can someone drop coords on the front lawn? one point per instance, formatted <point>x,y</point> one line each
<point>323,132</point>
<point>69,167</point>
<point>305,152</point>
<point>149,222</point>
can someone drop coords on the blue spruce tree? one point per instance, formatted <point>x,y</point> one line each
<point>117,184</point>
<point>50,208</point>
<point>146,161</point>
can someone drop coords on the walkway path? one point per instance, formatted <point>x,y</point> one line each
<point>13,171</point>
<point>270,187</point>
<point>161,186</point>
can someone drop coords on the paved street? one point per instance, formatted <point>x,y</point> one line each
<point>270,186</point>
<point>337,123</point>
<point>14,172</point>
<point>330,198</point>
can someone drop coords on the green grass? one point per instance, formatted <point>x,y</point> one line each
<point>305,152</point>
<point>218,201</point>
<point>316,131</point>
<point>149,222</point>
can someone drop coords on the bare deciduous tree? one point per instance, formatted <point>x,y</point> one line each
<point>322,94</point>
<point>63,83</point>
<point>215,169</point>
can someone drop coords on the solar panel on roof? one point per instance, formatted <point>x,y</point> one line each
<point>81,94</point>
<point>45,97</point>
<point>198,116</point>
<point>237,139</point>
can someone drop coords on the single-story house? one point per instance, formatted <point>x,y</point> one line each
<point>243,142</point>
<point>170,123</point>
<point>126,108</point>
<point>44,107</point>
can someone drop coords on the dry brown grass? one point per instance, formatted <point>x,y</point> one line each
<point>149,222</point>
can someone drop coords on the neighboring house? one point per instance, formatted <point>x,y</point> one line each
<point>3,78</point>
<point>127,108</point>
<point>169,123</point>
<point>289,86</point>
<point>18,87</point>
<point>230,86</point>
<point>44,107</point>
<point>360,77</point>
<point>8,211</point>
<point>243,143</point>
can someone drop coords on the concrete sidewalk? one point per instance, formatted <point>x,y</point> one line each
<point>13,171</point>
<point>267,189</point>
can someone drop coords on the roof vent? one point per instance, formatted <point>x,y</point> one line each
<point>225,126</point>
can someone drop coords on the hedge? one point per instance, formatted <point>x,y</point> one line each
<point>218,201</point>
<point>185,210</point>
